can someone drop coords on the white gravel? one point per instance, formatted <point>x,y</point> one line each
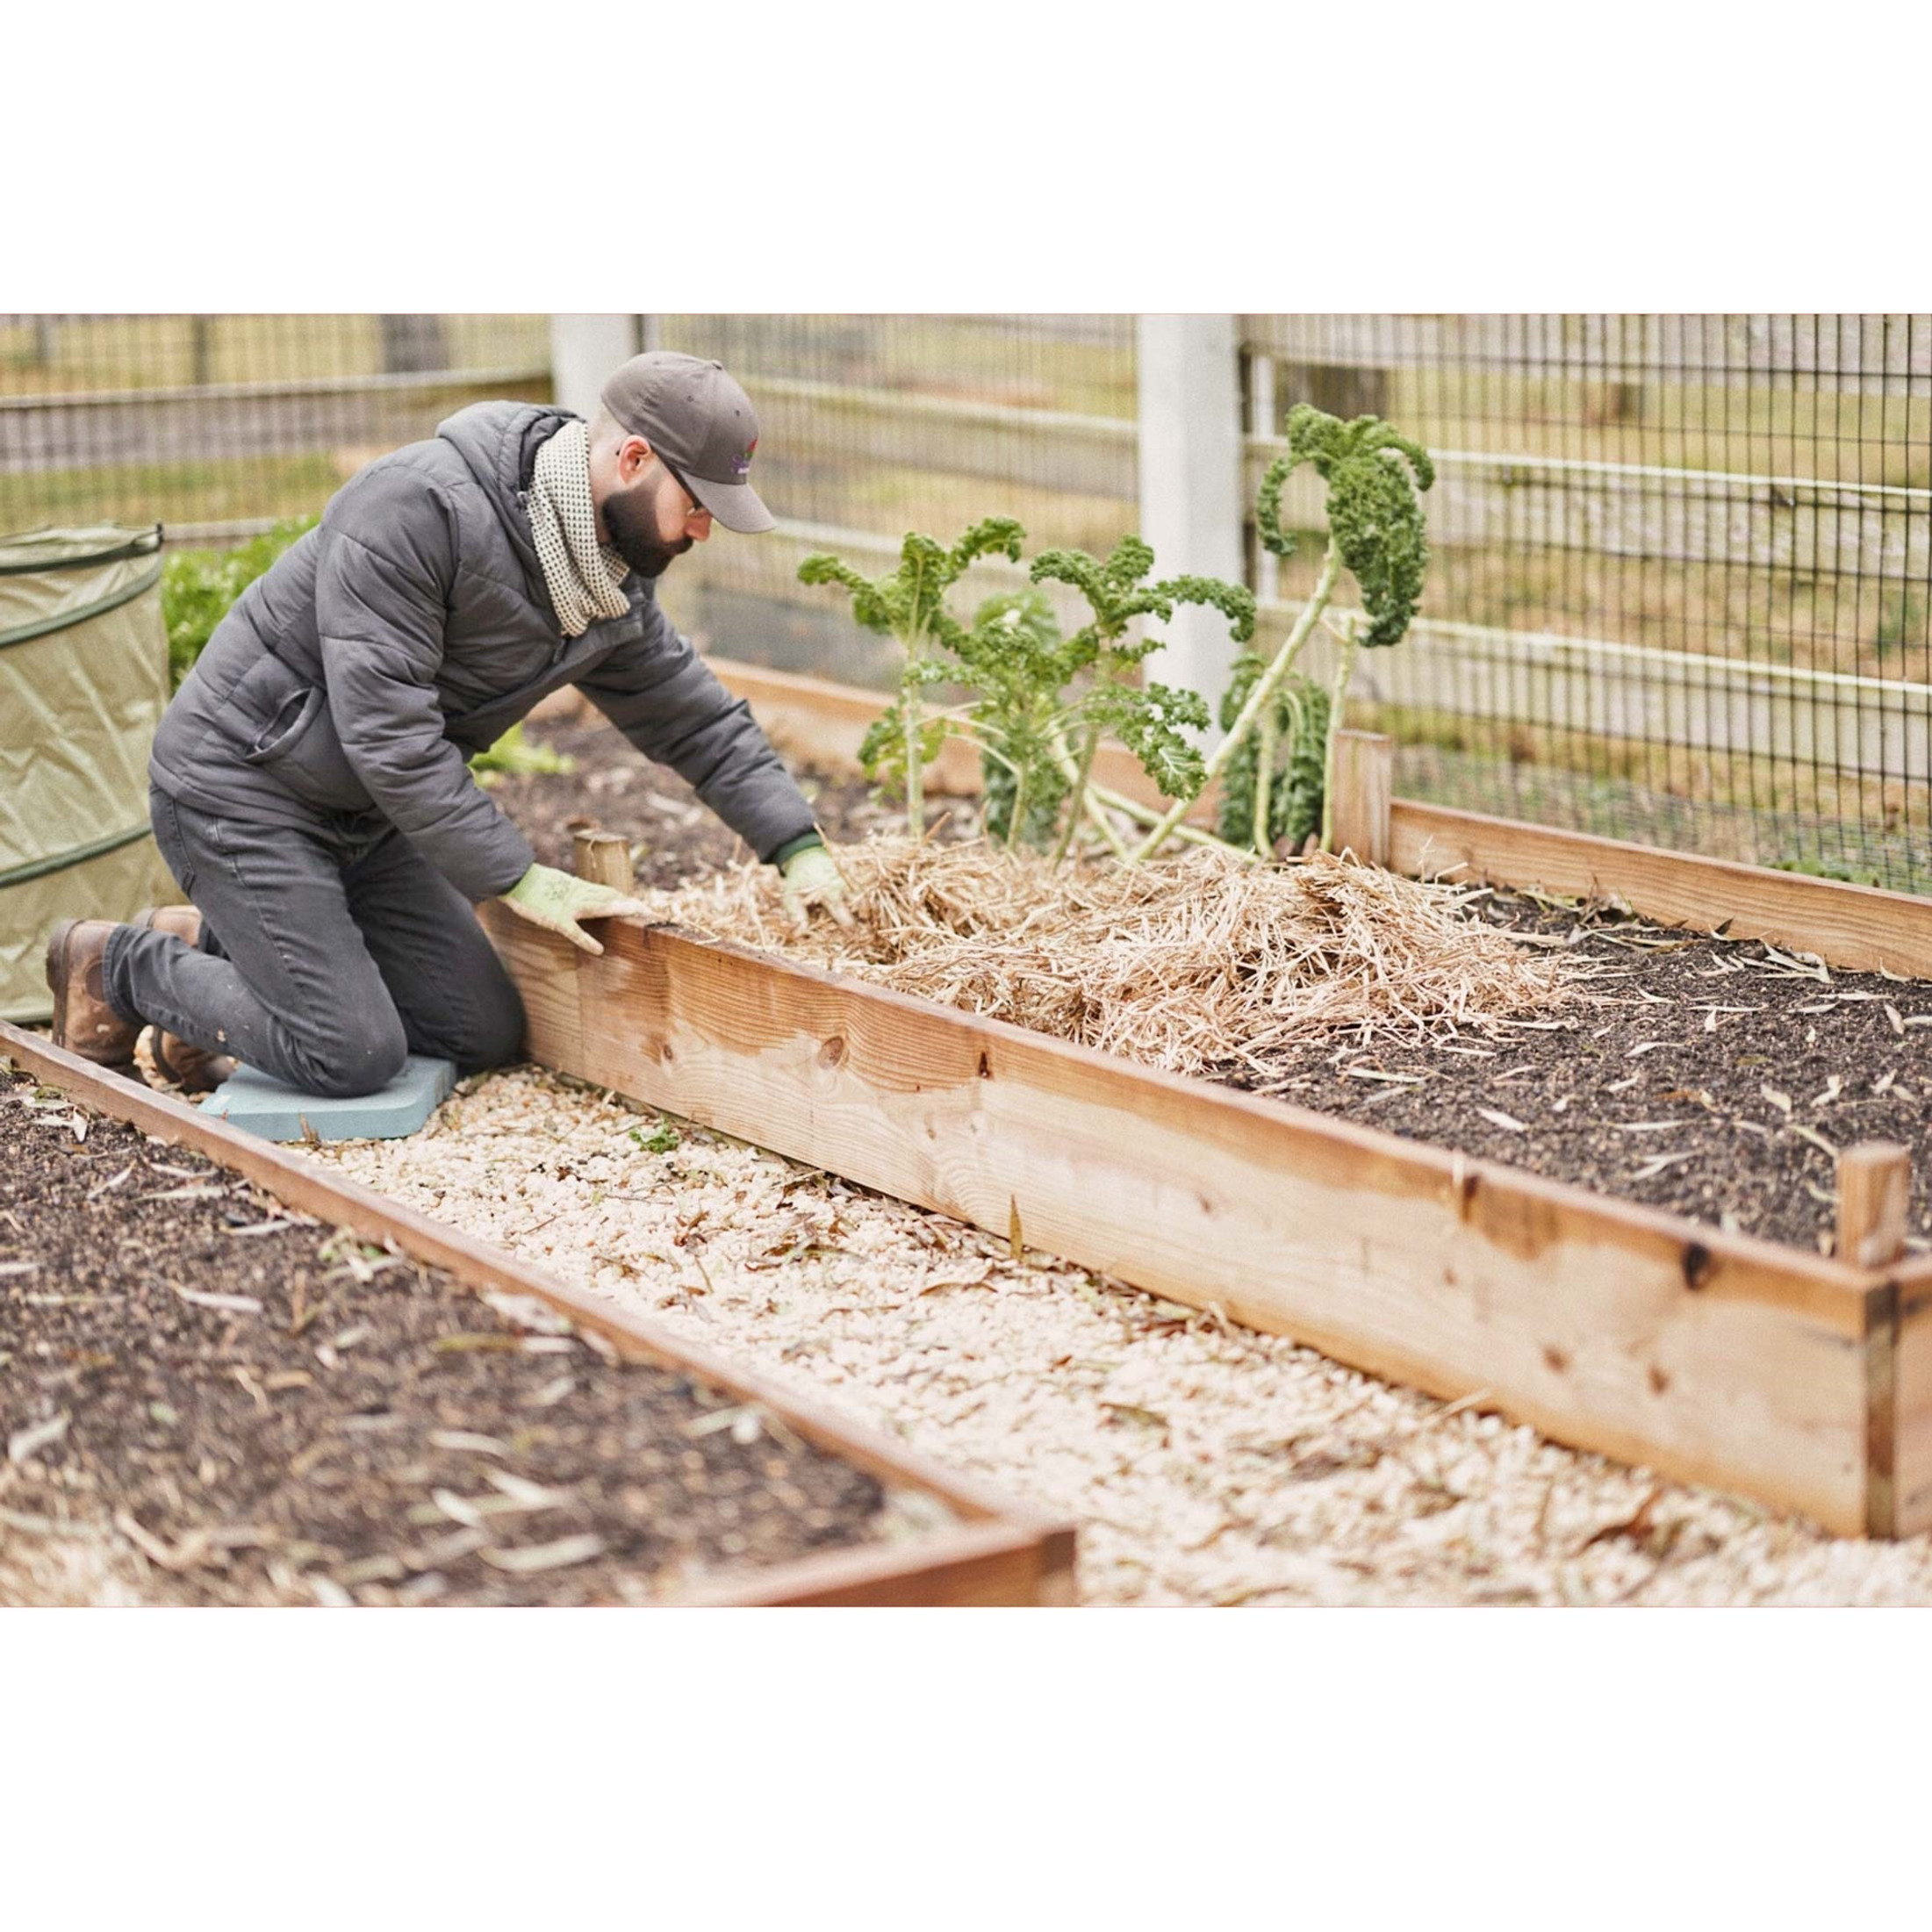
<point>1203,1464</point>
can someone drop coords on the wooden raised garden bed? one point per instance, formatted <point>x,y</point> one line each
<point>1802,1380</point>
<point>657,1451</point>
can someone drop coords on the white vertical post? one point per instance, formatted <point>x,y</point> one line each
<point>584,351</point>
<point>1191,481</point>
<point>1261,409</point>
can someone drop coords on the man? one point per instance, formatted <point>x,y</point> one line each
<point>310,789</point>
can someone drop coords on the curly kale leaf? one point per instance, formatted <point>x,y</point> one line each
<point>1151,721</point>
<point>1375,516</point>
<point>882,750</point>
<point>991,535</point>
<point>1015,660</point>
<point>869,604</point>
<point>1234,601</point>
<point>1295,791</point>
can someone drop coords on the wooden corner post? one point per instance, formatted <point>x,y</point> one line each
<point>1365,765</point>
<point>1874,1192</point>
<point>603,858</point>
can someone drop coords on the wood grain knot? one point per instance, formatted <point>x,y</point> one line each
<point>832,1053</point>
<point>1697,1265</point>
<point>986,1064</point>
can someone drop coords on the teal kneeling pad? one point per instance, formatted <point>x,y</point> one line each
<point>258,1105</point>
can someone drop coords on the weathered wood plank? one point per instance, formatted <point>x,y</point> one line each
<point>986,1567</point>
<point>804,421</point>
<point>1910,1434</point>
<point>1676,516</point>
<point>1364,782</point>
<point>975,1564</point>
<point>1714,1358</point>
<point>1825,721</point>
<point>1860,928</point>
<point>217,422</point>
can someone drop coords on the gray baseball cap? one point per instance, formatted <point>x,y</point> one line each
<point>702,423</point>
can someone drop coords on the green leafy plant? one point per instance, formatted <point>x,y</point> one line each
<point>198,586</point>
<point>909,605</point>
<point>1273,800</point>
<point>1151,719</point>
<point>1014,656</point>
<point>513,754</point>
<point>1376,532</point>
<point>662,1139</point>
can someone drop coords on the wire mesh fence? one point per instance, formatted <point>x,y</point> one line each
<point>1681,569</point>
<point>220,424</point>
<point>1682,579</point>
<point>875,425</point>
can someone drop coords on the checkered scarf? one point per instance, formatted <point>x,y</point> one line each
<point>582,575</point>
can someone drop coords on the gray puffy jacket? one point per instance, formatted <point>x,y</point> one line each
<point>411,629</point>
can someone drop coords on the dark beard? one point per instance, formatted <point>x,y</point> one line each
<point>631,517</point>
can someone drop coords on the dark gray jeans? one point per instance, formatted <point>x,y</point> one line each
<point>328,953</point>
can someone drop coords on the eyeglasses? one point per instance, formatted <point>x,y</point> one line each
<point>697,508</point>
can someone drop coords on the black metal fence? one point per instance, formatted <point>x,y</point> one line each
<point>875,425</point>
<point>220,424</point>
<point>1682,581</point>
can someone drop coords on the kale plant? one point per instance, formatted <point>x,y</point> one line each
<point>1271,790</point>
<point>198,586</point>
<point>1015,657</point>
<point>1376,532</point>
<point>908,604</point>
<point>1099,690</point>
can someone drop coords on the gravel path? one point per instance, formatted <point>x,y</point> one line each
<point>1204,1465</point>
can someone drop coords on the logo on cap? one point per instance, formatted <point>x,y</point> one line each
<point>742,465</point>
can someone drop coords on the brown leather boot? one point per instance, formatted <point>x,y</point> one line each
<point>182,922</point>
<point>83,1021</point>
<point>194,1069</point>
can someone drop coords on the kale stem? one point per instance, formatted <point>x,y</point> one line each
<point>1344,670</point>
<point>1078,803</point>
<point>1120,802</point>
<point>1264,777</point>
<point>1019,806</point>
<point>1263,695</point>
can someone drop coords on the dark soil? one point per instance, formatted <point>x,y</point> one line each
<point>295,1415</point>
<point>1705,1076</point>
<point>1712,1077</point>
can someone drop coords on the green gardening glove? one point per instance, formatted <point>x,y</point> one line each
<point>556,901</point>
<point>808,878</point>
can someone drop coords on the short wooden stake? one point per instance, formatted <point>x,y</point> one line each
<point>604,858</point>
<point>1874,1191</point>
<point>1365,762</point>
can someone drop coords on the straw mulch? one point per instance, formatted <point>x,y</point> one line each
<point>1200,964</point>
